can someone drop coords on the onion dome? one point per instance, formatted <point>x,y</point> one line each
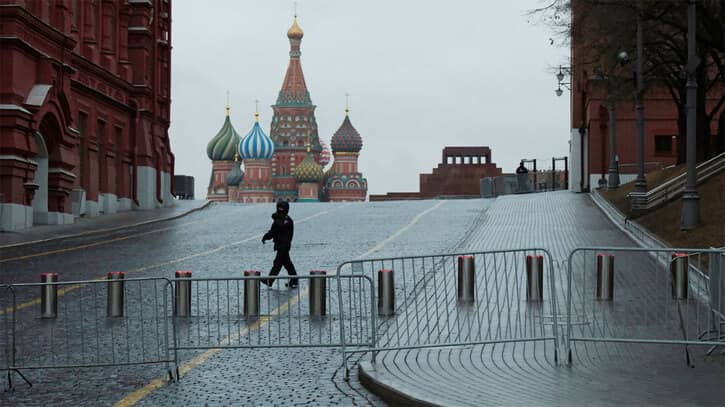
<point>223,146</point>
<point>295,31</point>
<point>256,145</point>
<point>325,154</point>
<point>236,175</point>
<point>308,170</point>
<point>346,139</point>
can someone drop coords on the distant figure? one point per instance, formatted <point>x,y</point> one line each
<point>522,169</point>
<point>281,232</point>
<point>522,176</point>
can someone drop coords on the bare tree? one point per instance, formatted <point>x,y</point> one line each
<point>606,28</point>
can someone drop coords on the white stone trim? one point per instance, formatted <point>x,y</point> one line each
<point>61,171</point>
<point>15,217</point>
<point>78,201</point>
<point>125,204</point>
<point>108,203</point>
<point>146,187</point>
<point>37,95</point>
<point>14,107</point>
<point>10,157</point>
<point>91,209</point>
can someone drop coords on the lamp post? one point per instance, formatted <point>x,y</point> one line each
<point>560,78</point>
<point>613,179</point>
<point>640,184</point>
<point>690,197</point>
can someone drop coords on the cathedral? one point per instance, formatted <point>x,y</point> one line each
<point>289,164</point>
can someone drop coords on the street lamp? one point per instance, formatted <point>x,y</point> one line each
<point>690,197</point>
<point>640,184</point>
<point>613,179</point>
<point>563,71</point>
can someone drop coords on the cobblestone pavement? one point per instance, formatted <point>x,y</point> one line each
<point>219,241</point>
<point>222,240</point>
<point>98,224</point>
<point>525,373</point>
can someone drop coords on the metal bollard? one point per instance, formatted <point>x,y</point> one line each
<point>534,278</point>
<point>318,294</point>
<point>678,270</point>
<point>182,294</point>
<point>386,293</point>
<point>605,277</point>
<point>48,295</point>
<point>251,295</point>
<point>115,291</point>
<point>466,279</point>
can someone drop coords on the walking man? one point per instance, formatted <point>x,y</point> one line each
<point>281,232</point>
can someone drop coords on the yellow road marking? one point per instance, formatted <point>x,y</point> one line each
<point>85,246</point>
<point>155,384</point>
<point>70,288</point>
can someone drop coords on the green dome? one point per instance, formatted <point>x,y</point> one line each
<point>224,145</point>
<point>308,170</point>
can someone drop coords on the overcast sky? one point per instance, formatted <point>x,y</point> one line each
<point>421,75</point>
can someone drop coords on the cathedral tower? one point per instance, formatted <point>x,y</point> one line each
<point>293,117</point>
<point>256,149</point>
<point>221,151</point>
<point>343,182</point>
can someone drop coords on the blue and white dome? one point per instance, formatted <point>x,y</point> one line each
<point>256,145</point>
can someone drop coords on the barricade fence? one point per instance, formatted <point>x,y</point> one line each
<point>6,328</point>
<point>237,313</point>
<point>461,299</point>
<point>651,296</point>
<point>659,296</point>
<point>95,323</point>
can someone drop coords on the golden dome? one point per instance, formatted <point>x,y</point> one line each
<point>295,31</point>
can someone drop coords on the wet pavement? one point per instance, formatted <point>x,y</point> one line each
<point>222,240</point>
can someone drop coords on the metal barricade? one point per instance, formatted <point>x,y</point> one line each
<point>427,313</point>
<point>663,297</point>
<point>284,319</point>
<point>81,334</point>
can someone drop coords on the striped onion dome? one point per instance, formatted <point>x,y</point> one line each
<point>325,154</point>
<point>346,139</point>
<point>236,175</point>
<point>256,145</point>
<point>308,170</point>
<point>223,146</point>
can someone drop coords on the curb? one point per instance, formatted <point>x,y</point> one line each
<point>646,239</point>
<point>113,229</point>
<point>387,393</point>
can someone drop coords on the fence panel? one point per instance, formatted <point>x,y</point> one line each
<point>658,296</point>
<point>220,319</point>
<point>6,327</point>
<point>82,334</point>
<point>427,310</point>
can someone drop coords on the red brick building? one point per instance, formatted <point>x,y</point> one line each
<point>458,174</point>
<point>84,109</point>
<point>589,139</point>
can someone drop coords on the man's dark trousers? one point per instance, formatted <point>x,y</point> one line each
<point>282,259</point>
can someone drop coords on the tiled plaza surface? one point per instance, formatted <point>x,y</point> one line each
<point>600,373</point>
<point>223,240</point>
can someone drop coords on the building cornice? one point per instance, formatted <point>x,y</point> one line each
<point>45,30</point>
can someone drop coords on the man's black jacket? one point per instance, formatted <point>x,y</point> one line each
<point>281,232</point>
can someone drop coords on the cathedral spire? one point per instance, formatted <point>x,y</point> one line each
<point>294,89</point>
